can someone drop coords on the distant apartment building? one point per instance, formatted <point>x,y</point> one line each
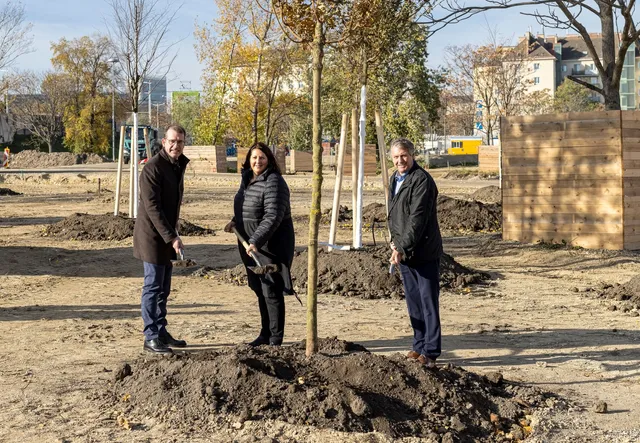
<point>549,59</point>
<point>552,58</point>
<point>154,88</point>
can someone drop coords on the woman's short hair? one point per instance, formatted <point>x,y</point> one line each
<point>272,163</point>
<point>405,144</point>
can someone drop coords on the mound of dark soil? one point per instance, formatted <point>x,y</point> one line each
<point>187,228</point>
<point>363,273</point>
<point>344,387</point>
<point>453,214</point>
<point>468,216</point>
<point>91,227</point>
<point>106,227</point>
<point>627,294</point>
<point>7,191</point>
<point>36,159</point>
<point>488,194</point>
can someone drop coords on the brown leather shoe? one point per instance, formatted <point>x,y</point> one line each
<point>429,363</point>
<point>413,355</point>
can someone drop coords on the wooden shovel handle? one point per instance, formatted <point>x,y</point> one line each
<point>246,246</point>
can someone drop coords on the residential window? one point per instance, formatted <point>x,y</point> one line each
<point>456,144</point>
<point>564,68</point>
<point>591,66</point>
<point>576,67</point>
<point>536,66</point>
<point>536,80</point>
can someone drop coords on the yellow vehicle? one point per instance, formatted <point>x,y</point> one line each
<point>463,145</point>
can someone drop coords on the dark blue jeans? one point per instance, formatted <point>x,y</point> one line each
<point>156,289</point>
<point>422,293</point>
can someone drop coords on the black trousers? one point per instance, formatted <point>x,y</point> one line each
<point>270,292</point>
<point>422,293</point>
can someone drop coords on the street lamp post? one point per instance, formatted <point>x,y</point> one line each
<point>149,99</point>
<point>113,61</point>
<point>157,105</point>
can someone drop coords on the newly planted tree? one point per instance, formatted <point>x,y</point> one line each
<point>139,30</point>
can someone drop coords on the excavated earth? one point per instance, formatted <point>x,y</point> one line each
<point>625,296</point>
<point>36,159</point>
<point>453,214</point>
<point>363,273</point>
<point>488,194</point>
<point>107,227</point>
<point>7,191</point>
<point>343,387</point>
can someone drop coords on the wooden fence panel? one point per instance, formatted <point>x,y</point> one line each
<point>206,159</point>
<point>489,159</point>
<point>630,122</point>
<point>563,180</point>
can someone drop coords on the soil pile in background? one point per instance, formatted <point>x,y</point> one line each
<point>106,227</point>
<point>468,216</point>
<point>92,227</point>
<point>627,294</point>
<point>488,194</point>
<point>363,273</point>
<point>469,174</point>
<point>35,159</point>
<point>7,191</point>
<point>453,214</point>
<point>187,228</point>
<point>344,387</point>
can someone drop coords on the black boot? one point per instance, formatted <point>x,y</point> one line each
<point>259,341</point>
<point>157,347</point>
<point>168,340</point>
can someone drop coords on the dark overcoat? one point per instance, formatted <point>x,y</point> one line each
<point>161,189</point>
<point>413,217</point>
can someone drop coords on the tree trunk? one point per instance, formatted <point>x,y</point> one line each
<point>610,87</point>
<point>316,195</point>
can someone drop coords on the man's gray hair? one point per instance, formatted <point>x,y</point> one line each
<point>405,144</point>
<point>179,129</point>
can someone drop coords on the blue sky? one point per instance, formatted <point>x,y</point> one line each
<point>54,19</point>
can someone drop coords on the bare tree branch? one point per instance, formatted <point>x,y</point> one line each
<point>15,39</point>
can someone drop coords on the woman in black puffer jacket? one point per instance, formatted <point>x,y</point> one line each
<point>262,215</point>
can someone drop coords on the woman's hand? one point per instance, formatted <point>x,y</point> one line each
<point>229,227</point>
<point>252,249</point>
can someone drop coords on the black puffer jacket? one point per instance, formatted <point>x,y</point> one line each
<point>413,217</point>
<point>262,214</point>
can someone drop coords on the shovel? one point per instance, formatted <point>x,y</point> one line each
<point>182,263</point>
<point>260,269</point>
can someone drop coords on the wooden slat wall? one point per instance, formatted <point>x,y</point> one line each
<point>562,179</point>
<point>370,160</point>
<point>631,177</point>
<point>488,159</point>
<point>206,159</point>
<point>301,161</point>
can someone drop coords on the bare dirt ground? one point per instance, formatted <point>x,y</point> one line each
<point>69,318</point>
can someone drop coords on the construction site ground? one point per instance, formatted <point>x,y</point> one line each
<point>70,317</point>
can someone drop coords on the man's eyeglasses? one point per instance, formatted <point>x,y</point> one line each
<point>175,142</point>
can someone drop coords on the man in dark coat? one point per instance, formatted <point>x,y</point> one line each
<point>155,237</point>
<point>416,248</point>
